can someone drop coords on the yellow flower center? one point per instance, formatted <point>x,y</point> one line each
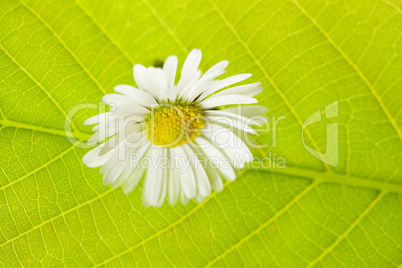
<point>172,125</point>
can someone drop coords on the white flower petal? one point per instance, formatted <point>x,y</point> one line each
<point>92,158</point>
<point>133,180</point>
<point>213,101</point>
<point>232,123</point>
<point>172,93</point>
<point>224,113</point>
<point>140,152</point>
<point>183,198</point>
<point>199,198</point>
<point>231,145</point>
<point>203,185</point>
<point>109,129</point>
<point>139,96</point>
<point>164,178</point>
<point>122,153</point>
<point>214,179</point>
<point>116,166</point>
<point>184,89</point>
<point>97,118</point>
<point>128,110</point>
<point>184,176</point>
<point>216,155</point>
<point>123,105</point>
<point>187,176</point>
<point>111,175</point>
<point>173,180</point>
<point>190,73</point>
<point>191,63</point>
<point>122,177</point>
<point>112,122</point>
<point>246,90</point>
<point>198,87</point>
<point>140,77</point>
<point>99,155</point>
<point>255,112</point>
<point>217,68</point>
<point>170,69</point>
<point>211,167</point>
<point>138,169</point>
<point>101,135</point>
<point>155,183</point>
<point>119,122</point>
<point>158,83</point>
<point>119,139</point>
<point>224,83</point>
<point>117,100</point>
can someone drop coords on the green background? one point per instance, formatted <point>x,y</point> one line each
<point>56,211</point>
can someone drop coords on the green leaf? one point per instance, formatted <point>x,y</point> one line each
<point>55,211</point>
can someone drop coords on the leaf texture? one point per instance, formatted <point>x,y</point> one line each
<point>57,54</point>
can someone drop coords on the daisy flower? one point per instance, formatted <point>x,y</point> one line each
<point>176,137</point>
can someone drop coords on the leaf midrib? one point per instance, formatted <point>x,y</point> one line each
<point>317,177</point>
<point>294,171</point>
<point>331,177</point>
<point>82,136</point>
<point>188,214</point>
<point>40,85</point>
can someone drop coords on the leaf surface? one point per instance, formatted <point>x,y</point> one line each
<point>54,210</point>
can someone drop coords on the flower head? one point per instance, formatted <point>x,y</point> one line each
<point>177,137</point>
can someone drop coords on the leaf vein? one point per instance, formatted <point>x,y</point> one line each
<point>265,224</point>
<point>269,79</point>
<point>349,229</point>
<point>355,67</point>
